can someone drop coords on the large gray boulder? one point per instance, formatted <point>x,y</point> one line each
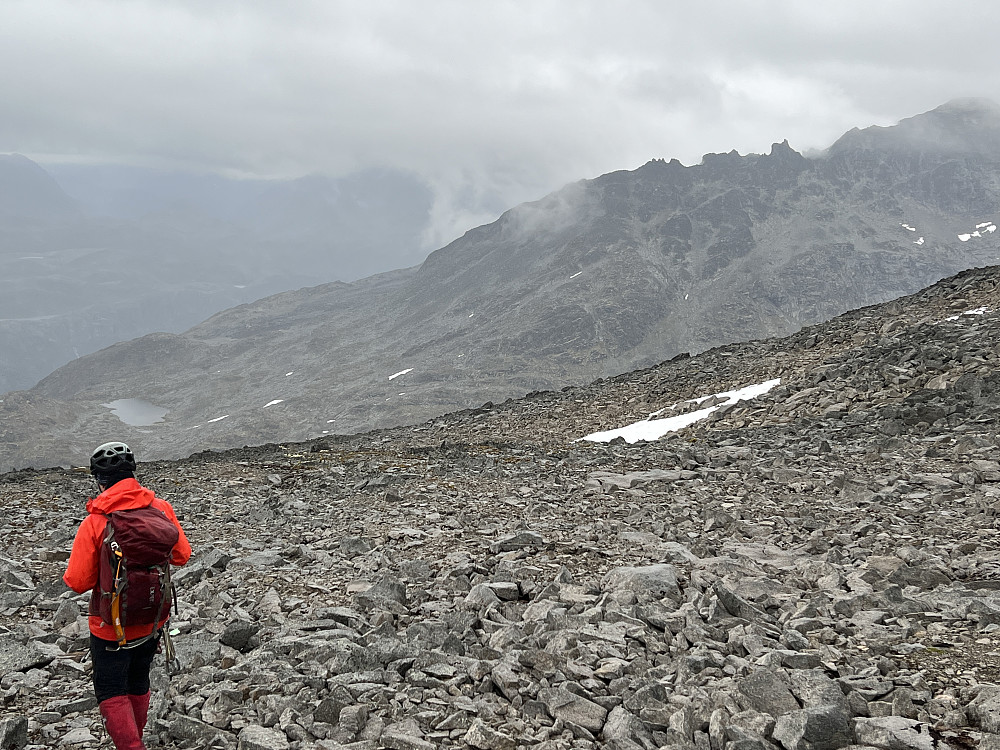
<point>820,728</point>
<point>13,733</point>
<point>254,737</point>
<point>894,733</point>
<point>562,704</point>
<point>766,691</point>
<point>648,583</point>
<point>984,709</point>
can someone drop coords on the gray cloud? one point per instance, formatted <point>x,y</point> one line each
<point>492,103</point>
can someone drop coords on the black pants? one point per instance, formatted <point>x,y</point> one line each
<point>122,671</point>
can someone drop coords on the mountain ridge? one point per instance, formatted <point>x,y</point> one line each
<point>604,276</point>
<point>960,126</point>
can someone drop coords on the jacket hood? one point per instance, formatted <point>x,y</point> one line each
<point>126,494</point>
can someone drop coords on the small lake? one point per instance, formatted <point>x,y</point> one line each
<point>136,412</point>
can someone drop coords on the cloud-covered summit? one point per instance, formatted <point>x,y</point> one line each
<point>492,104</point>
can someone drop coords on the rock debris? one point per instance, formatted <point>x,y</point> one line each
<point>813,569</point>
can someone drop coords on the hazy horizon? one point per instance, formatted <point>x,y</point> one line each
<point>489,105</point>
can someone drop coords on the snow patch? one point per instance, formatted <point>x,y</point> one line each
<point>908,227</point>
<point>976,311</point>
<point>401,372</point>
<point>272,403</point>
<point>217,419</point>
<point>654,429</point>
<point>576,274</point>
<point>919,242</point>
<point>984,227</point>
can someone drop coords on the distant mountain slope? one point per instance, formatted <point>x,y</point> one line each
<point>135,251</point>
<point>602,277</point>
<point>28,192</point>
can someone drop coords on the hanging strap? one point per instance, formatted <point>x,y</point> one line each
<point>118,586</point>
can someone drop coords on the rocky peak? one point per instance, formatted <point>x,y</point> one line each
<point>781,166</point>
<point>971,109</point>
<point>961,127</point>
<point>784,152</point>
<point>727,163</point>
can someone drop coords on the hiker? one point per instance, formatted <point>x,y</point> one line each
<point>122,654</point>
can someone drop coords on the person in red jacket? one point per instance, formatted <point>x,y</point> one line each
<point>121,675</point>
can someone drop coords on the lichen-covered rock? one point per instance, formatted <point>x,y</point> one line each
<point>13,732</point>
<point>647,582</point>
<point>255,737</point>
<point>767,691</point>
<point>894,733</point>
<point>819,728</point>
<point>568,706</point>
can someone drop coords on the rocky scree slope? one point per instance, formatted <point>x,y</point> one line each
<point>602,277</point>
<point>815,568</point>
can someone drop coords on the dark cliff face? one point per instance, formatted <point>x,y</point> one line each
<point>946,158</point>
<point>601,277</point>
<point>796,235</point>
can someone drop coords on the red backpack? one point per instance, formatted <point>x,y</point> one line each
<point>133,585</point>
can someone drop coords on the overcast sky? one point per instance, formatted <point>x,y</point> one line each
<point>491,102</point>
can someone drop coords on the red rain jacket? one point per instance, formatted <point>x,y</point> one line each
<point>82,568</point>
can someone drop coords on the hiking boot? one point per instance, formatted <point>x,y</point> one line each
<point>140,707</point>
<point>119,720</point>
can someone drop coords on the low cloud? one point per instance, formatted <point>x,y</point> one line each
<point>491,104</point>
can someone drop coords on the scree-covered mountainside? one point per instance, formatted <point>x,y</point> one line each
<point>814,567</point>
<point>604,276</point>
<point>124,252</point>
